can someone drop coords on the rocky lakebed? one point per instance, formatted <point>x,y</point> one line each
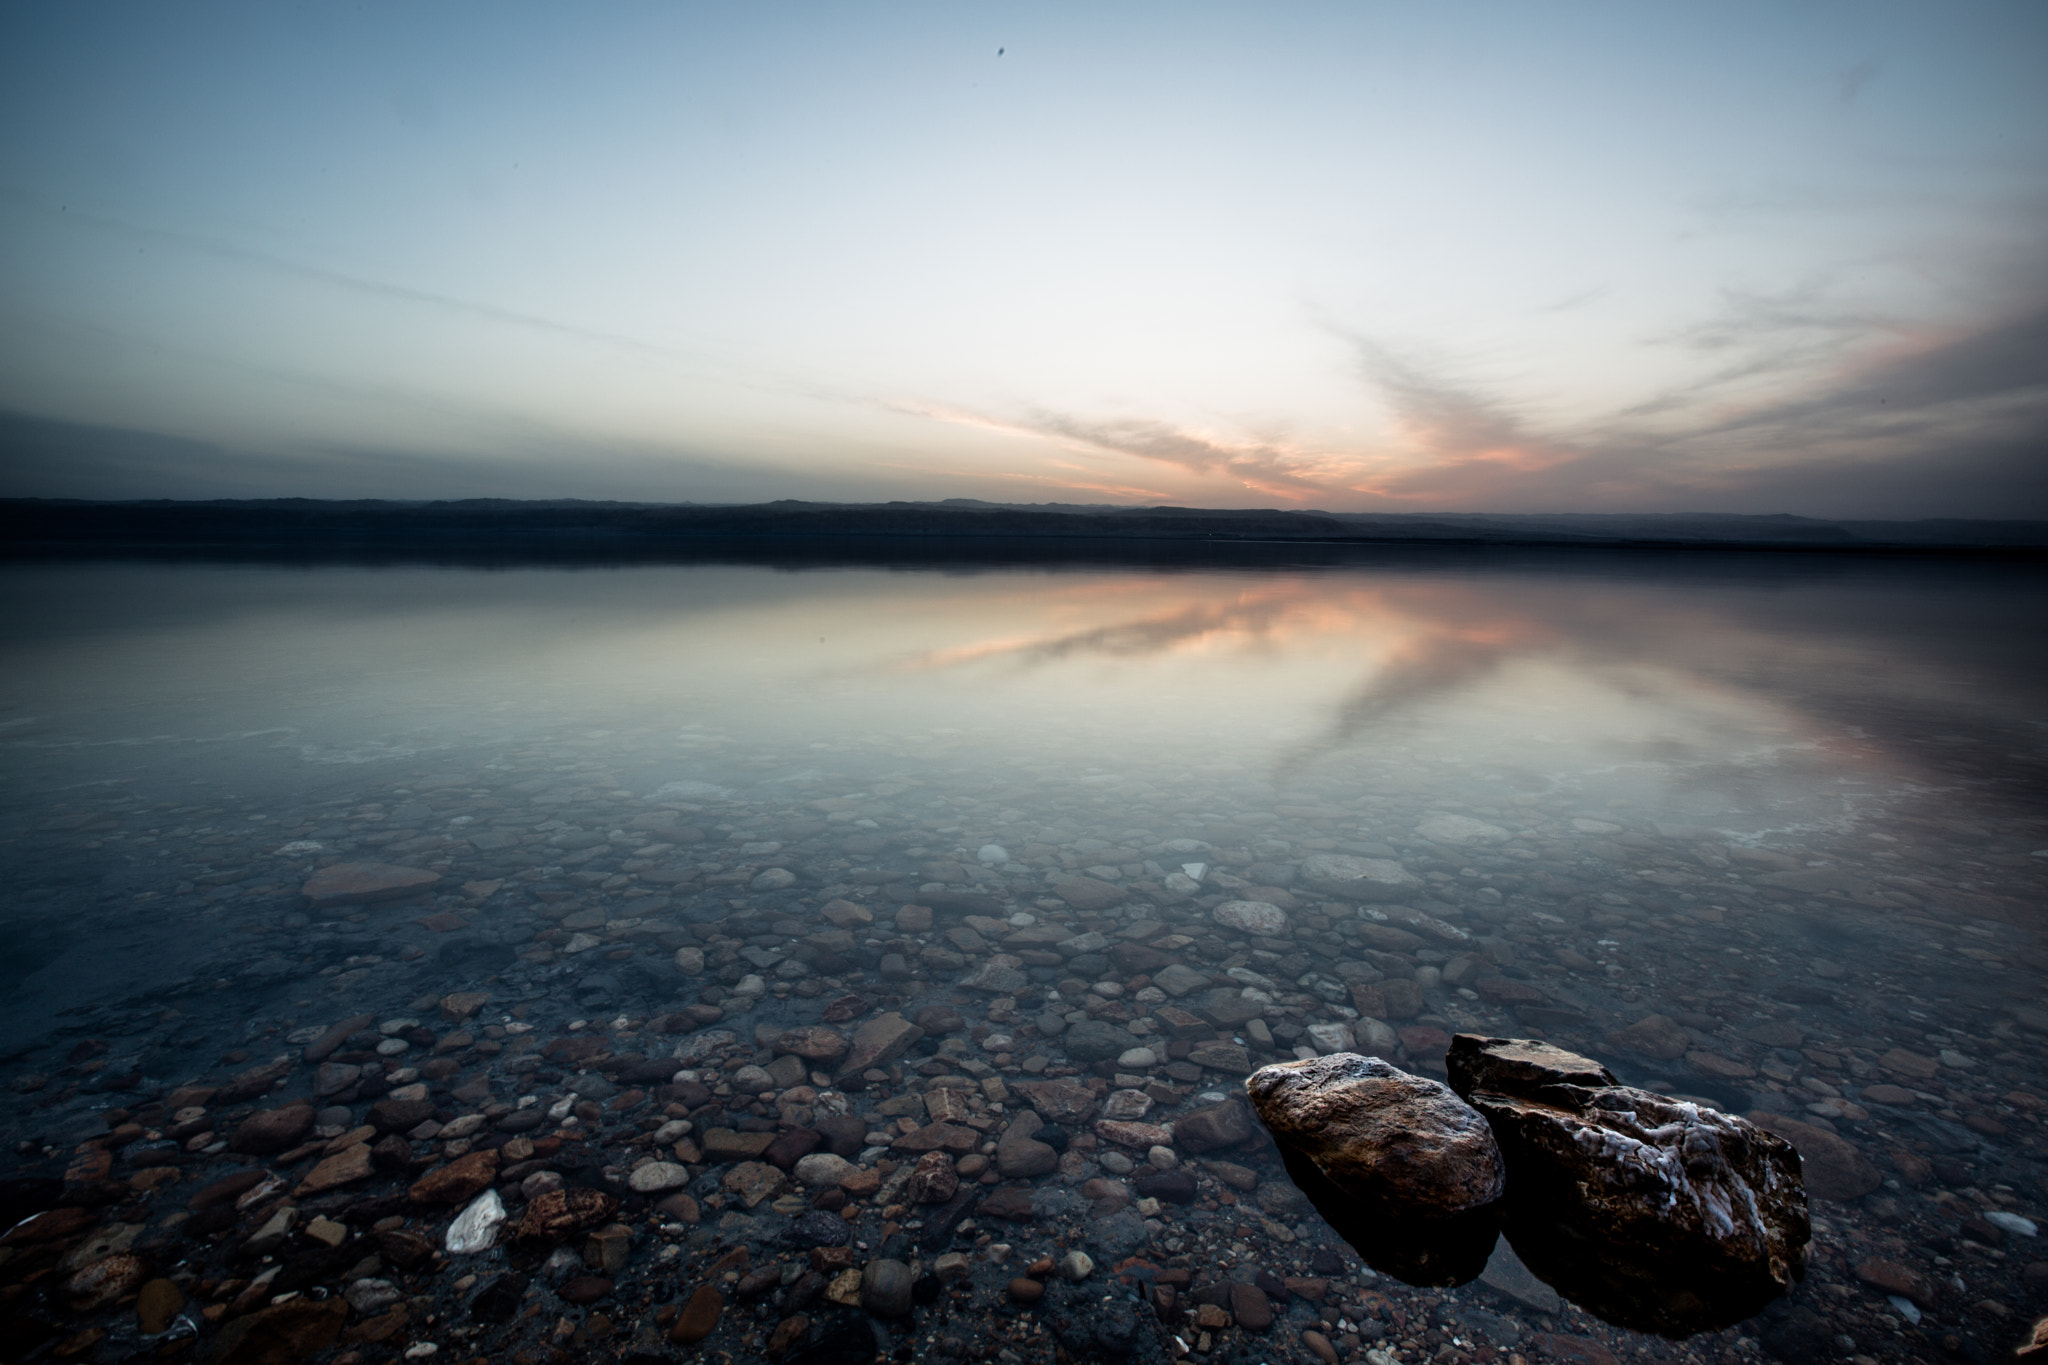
<point>1437,958</point>
<point>536,1062</point>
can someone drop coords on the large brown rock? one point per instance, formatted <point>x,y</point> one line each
<point>1059,1101</point>
<point>390,1115</point>
<point>1380,1133</point>
<point>459,1181</point>
<point>1021,1156</point>
<point>878,1042</point>
<point>1214,1126</point>
<point>272,1130</point>
<point>345,1167</point>
<point>1403,1169</point>
<point>1520,1066</point>
<point>813,1043</point>
<point>360,883</point>
<point>1653,1213</point>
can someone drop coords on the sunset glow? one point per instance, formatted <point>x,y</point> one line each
<point>1478,257</point>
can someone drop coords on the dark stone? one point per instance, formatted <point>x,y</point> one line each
<point>398,1116</point>
<point>391,1153</point>
<point>1275,1288</point>
<point>272,1130</point>
<point>585,1289</point>
<point>1520,1066</point>
<point>1440,1251</point>
<point>792,1146</point>
<point>1215,1126</point>
<point>1328,1262</point>
<point>1405,1144</point>
<point>1656,1214</point>
<point>1134,958</point>
<point>940,1224</point>
<point>323,1047</point>
<point>689,1094</point>
<point>1176,1186</point>
<point>499,1299</point>
<point>1092,1041</point>
<point>1012,1202</point>
<point>820,1229</point>
<point>936,1019</point>
<point>886,1287</point>
<point>757,1282</point>
<point>1250,1306</point>
<point>406,1250</point>
<point>845,1134</point>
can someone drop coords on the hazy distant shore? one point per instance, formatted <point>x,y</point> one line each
<point>308,527</point>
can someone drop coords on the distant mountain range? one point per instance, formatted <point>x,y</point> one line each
<point>29,526</point>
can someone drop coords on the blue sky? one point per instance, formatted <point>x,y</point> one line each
<point>1768,257</point>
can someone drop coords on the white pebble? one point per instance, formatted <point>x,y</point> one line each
<point>476,1227</point>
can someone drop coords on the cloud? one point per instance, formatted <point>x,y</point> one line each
<point>1819,409</point>
<point>1947,426</point>
<point>1469,439</point>
<point>1846,414</point>
<point>1263,466</point>
<point>1259,466</point>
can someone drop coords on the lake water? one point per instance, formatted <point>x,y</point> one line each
<point>1790,810</point>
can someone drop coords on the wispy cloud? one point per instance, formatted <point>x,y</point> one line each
<point>1821,409</point>
<point>1469,440</point>
<point>1266,467</point>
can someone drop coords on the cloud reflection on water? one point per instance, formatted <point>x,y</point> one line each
<point>1708,683</point>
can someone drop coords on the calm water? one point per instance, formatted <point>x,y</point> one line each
<point>1794,809</point>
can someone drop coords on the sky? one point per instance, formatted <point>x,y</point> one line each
<point>1736,257</point>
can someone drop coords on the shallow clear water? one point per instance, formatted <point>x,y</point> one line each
<point>1794,807</point>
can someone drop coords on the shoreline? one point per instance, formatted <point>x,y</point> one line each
<point>306,528</point>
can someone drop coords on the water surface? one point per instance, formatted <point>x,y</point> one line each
<point>1792,808</point>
